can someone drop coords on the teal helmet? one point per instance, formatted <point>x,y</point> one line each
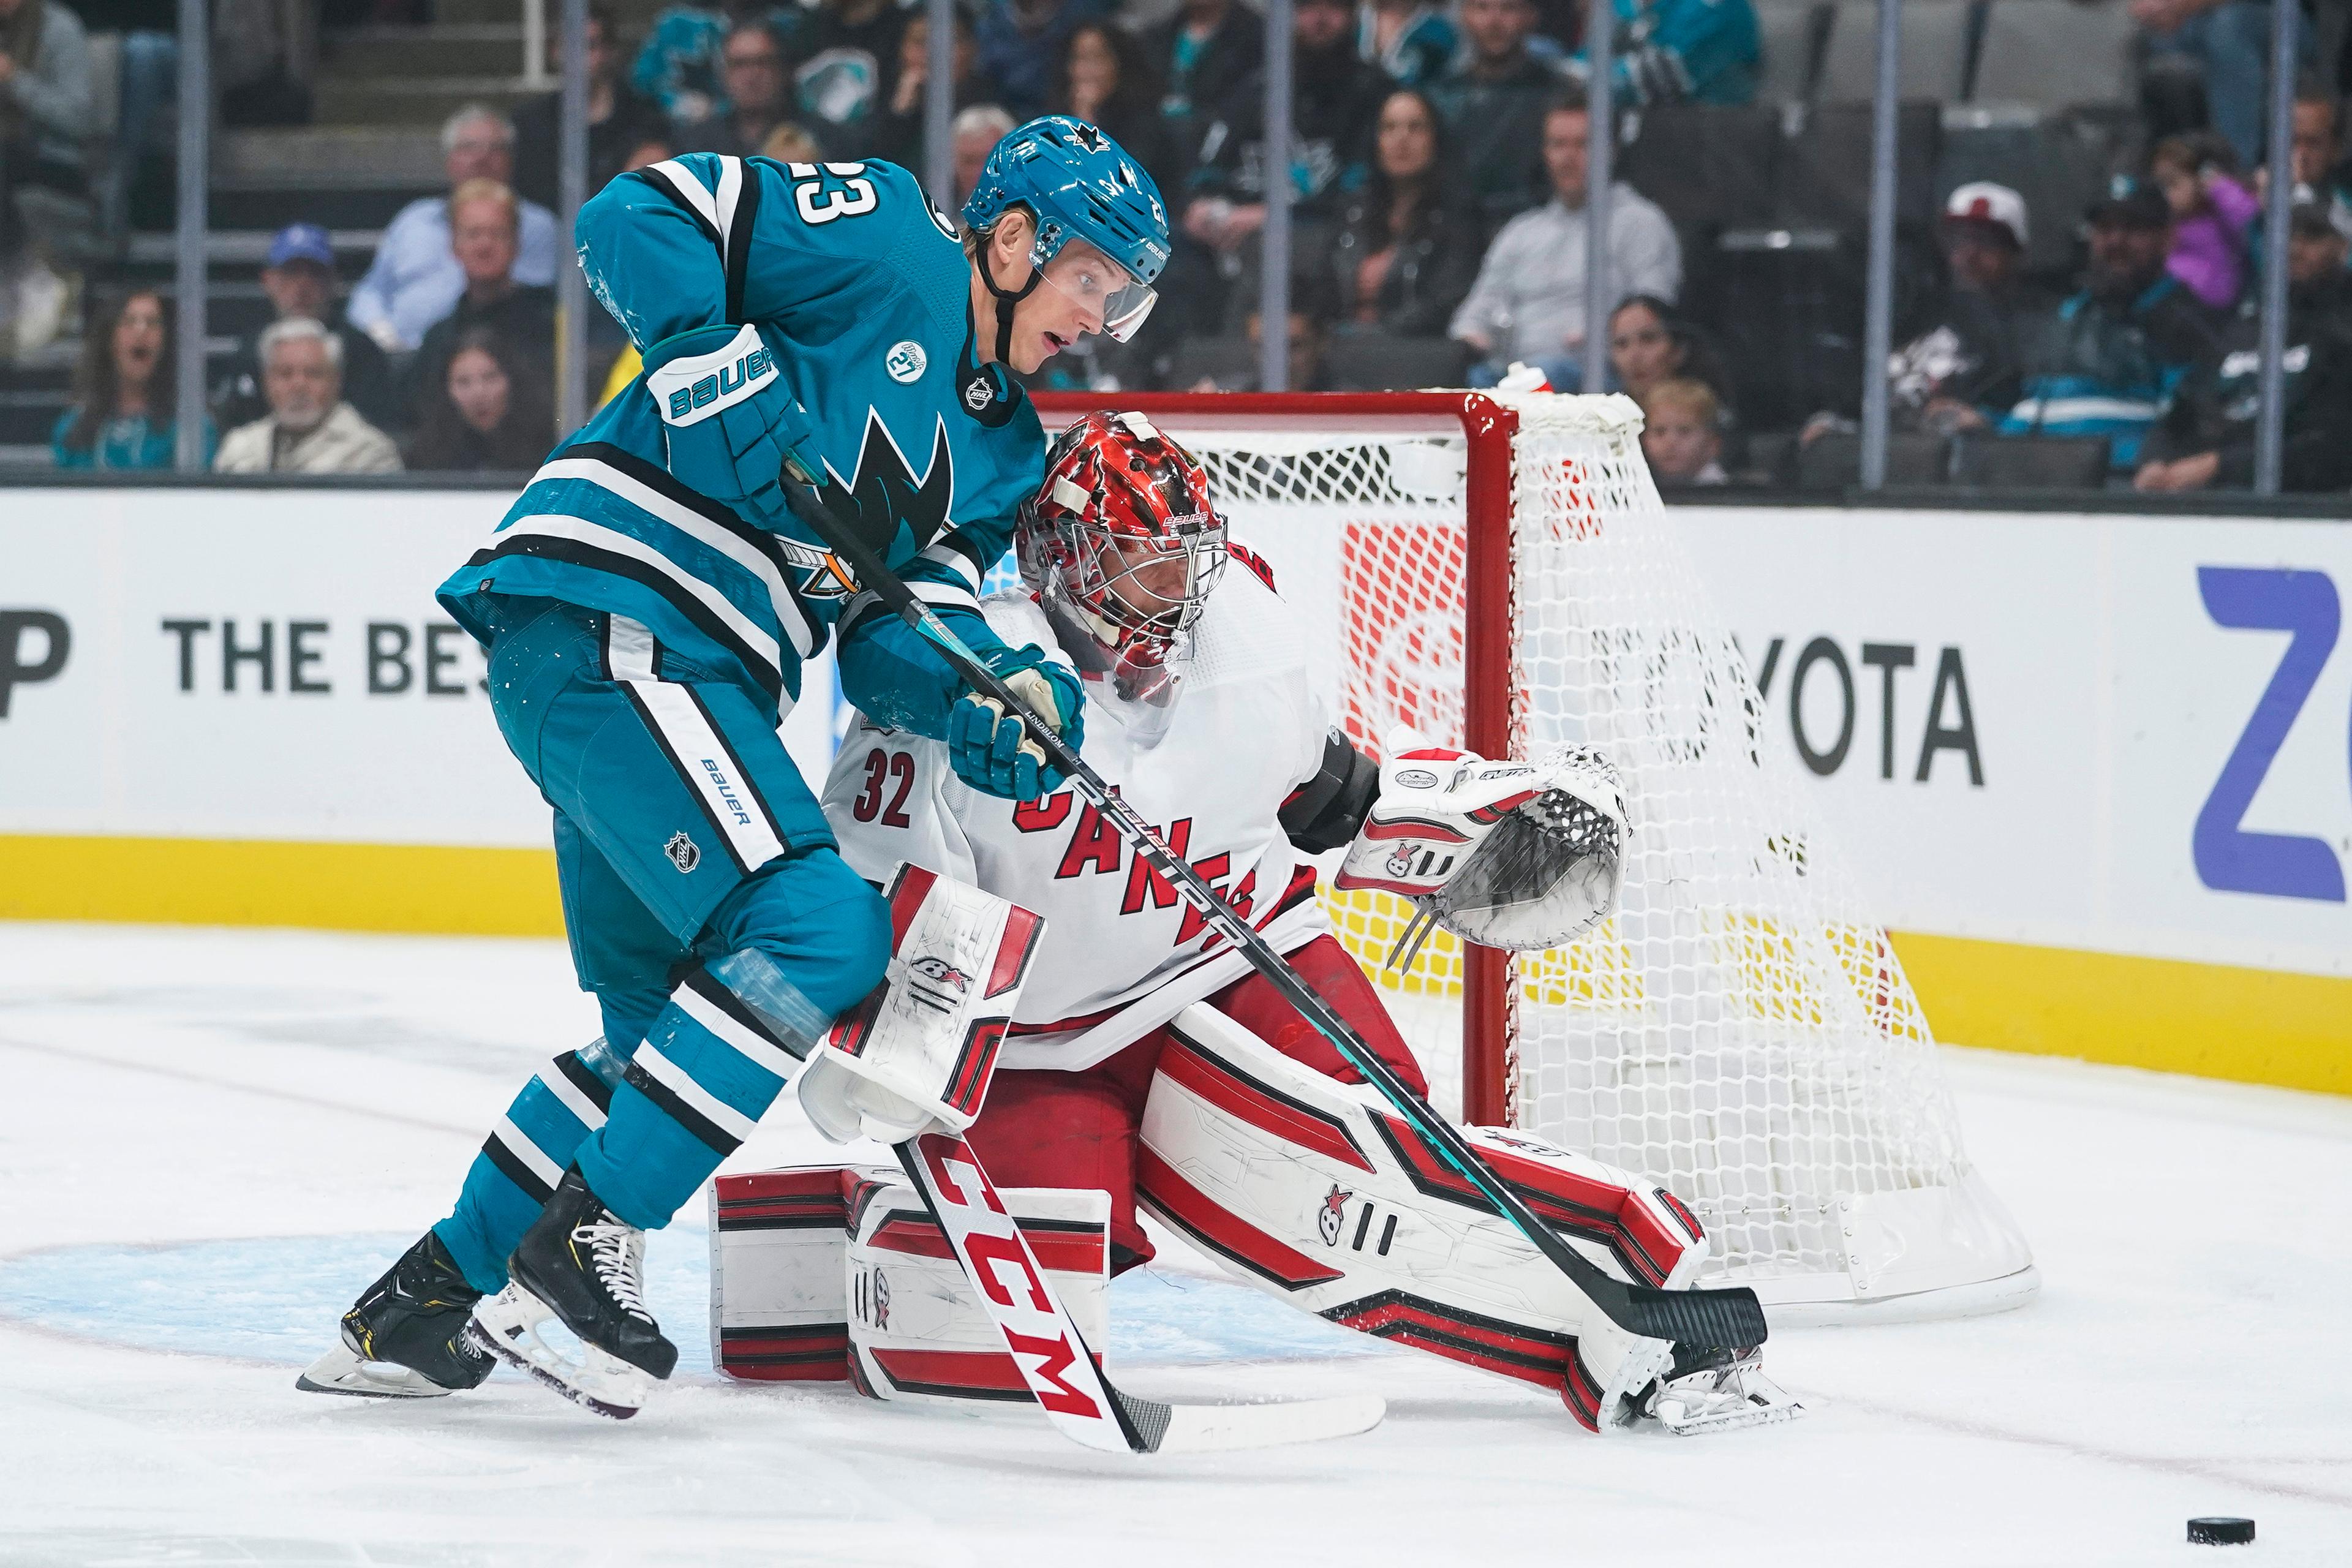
<point>1078,183</point>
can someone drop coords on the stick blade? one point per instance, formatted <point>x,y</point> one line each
<point>1728,1319</point>
<point>1227,1428</point>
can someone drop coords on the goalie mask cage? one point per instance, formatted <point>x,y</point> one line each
<point>1496,571</point>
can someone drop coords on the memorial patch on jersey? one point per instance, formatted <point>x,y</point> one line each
<point>906,361</point>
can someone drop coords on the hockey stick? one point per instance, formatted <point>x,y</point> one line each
<point>1053,1356</point>
<point>1730,1318</point>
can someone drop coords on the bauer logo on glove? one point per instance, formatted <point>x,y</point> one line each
<point>915,1055</point>
<point>1514,855</point>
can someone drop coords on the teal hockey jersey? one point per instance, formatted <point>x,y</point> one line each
<point>860,290</point>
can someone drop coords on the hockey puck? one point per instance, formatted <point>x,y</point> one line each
<point>2220,1531</point>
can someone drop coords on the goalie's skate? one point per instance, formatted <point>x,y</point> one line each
<point>583,1266</point>
<point>1727,1391</point>
<point>405,1337</point>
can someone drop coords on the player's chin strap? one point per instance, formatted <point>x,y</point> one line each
<point>1005,302</point>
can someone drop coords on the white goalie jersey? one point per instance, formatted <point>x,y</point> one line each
<point>1122,952</point>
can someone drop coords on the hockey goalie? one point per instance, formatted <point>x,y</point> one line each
<point>1146,1067</point>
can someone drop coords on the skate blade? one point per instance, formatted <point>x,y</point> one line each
<point>1745,1399</point>
<point>1646,1361</point>
<point>343,1371</point>
<point>507,1325</point>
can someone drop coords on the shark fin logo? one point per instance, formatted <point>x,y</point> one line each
<point>882,496</point>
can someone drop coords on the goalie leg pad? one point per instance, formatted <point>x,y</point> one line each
<point>1317,1193</point>
<point>916,1331</point>
<point>827,1273</point>
<point>778,1240</point>
<point>915,1055</point>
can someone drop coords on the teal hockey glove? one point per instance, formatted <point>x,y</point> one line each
<point>990,749</point>
<point>729,418</point>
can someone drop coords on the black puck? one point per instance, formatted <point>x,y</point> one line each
<point>2220,1531</point>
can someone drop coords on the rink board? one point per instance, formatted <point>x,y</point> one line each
<point>2094,770</point>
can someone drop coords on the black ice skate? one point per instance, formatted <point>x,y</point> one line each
<point>405,1336</point>
<point>582,1264</point>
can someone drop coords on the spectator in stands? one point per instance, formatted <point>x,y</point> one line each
<point>1965,367</point>
<point>2317,152</point>
<point>1200,56</point>
<point>792,143</point>
<point>1019,40</point>
<point>975,133</point>
<point>489,412</point>
<point>1408,244</point>
<point>1670,51</point>
<point>758,100</point>
<point>898,127</point>
<point>485,232</point>
<point>621,122</point>
<point>415,278</point>
<point>1304,369</point>
<point>1411,40</point>
<point>47,215</point>
<point>1682,433</point>
<point>300,282</point>
<point>1528,303</point>
<point>2223,46</point>
<point>2114,356</point>
<point>1101,78</point>
<point>2211,216</point>
<point>1650,342</point>
<point>847,65</point>
<point>125,410</point>
<point>310,428</point>
<point>1493,102</point>
<point>1335,101</point>
<point>2207,438</point>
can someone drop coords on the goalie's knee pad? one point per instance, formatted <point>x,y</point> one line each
<point>917,1052</point>
<point>823,1273</point>
<point>1319,1194</point>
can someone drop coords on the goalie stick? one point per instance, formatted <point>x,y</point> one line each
<point>1722,1319</point>
<point>1053,1357</point>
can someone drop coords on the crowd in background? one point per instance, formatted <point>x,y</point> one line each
<point>1439,178</point>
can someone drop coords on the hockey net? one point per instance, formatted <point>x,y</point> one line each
<point>1498,571</point>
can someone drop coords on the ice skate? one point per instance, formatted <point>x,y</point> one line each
<point>405,1336</point>
<point>581,1264</point>
<point>1717,1391</point>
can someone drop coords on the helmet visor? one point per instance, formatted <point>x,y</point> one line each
<point>1107,295</point>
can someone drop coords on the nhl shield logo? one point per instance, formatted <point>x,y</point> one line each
<point>905,362</point>
<point>1333,1214</point>
<point>978,394</point>
<point>683,852</point>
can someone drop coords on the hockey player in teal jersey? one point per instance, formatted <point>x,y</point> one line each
<point>647,604</point>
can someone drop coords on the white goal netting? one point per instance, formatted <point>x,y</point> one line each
<point>1740,1032</point>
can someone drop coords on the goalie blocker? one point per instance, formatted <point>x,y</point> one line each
<point>1308,1188</point>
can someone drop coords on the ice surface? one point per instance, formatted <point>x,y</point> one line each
<point>210,1140</point>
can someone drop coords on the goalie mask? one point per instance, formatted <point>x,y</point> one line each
<point>1123,548</point>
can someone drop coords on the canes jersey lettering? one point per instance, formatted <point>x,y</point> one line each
<point>842,269</point>
<point>1248,730</point>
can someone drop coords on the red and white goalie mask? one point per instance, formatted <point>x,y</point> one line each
<point>1122,547</point>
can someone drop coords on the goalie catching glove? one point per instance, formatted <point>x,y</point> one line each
<point>1513,855</point>
<point>916,1056</point>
